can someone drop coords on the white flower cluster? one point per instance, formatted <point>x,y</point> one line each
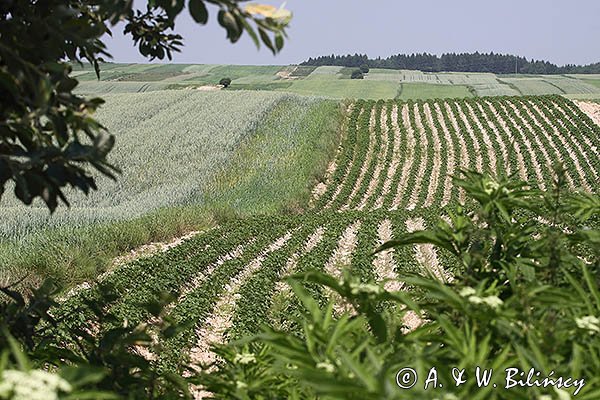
<point>244,358</point>
<point>367,288</point>
<point>589,322</point>
<point>32,385</point>
<point>492,301</point>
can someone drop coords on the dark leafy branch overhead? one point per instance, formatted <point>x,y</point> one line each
<point>48,136</point>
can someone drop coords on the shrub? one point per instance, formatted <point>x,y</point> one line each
<point>225,82</point>
<point>364,69</point>
<point>357,74</point>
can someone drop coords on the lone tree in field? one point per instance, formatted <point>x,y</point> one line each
<point>364,68</point>
<point>357,74</point>
<point>48,136</point>
<point>225,82</point>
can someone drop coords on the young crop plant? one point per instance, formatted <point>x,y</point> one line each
<point>512,276</point>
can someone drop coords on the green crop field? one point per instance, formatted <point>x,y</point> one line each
<point>243,153</point>
<point>391,174</point>
<point>332,82</point>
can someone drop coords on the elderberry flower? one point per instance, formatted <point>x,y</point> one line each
<point>367,288</point>
<point>493,301</point>
<point>244,358</point>
<point>467,291</point>
<point>327,366</point>
<point>32,385</point>
<point>589,322</point>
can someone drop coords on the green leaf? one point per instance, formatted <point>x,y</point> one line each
<point>266,40</point>
<point>227,21</point>
<point>198,11</point>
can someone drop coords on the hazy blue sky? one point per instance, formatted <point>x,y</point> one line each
<point>559,31</point>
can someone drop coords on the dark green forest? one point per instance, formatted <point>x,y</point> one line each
<point>456,62</point>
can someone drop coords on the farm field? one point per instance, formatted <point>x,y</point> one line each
<point>247,153</point>
<point>391,174</point>
<point>333,82</point>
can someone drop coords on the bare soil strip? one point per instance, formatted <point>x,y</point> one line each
<point>437,158</point>
<point>499,139</point>
<point>381,153</point>
<point>393,167</point>
<point>321,187</point>
<point>202,276</point>
<point>591,109</point>
<point>143,251</point>
<point>341,258</point>
<point>532,155</point>
<point>476,146</point>
<point>347,172</point>
<point>212,331</point>
<point>368,159</point>
<point>312,241</point>
<point>464,153</point>
<point>383,265</point>
<point>540,145</point>
<point>587,141</point>
<point>486,140</point>
<point>579,149</point>
<point>385,270</point>
<point>451,167</point>
<point>342,255</point>
<point>426,254</point>
<point>520,160</point>
<point>554,136</point>
<point>423,143</point>
<point>406,167</point>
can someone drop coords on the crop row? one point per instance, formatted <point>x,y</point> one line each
<point>402,155</point>
<point>226,281</point>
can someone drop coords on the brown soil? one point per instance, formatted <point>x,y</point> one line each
<point>486,140</point>
<point>347,172</point>
<point>408,162</point>
<point>520,161</point>
<point>437,158</point>
<point>423,143</point>
<point>380,160</point>
<point>393,167</point>
<point>451,167</point>
<point>212,331</point>
<point>464,153</point>
<point>368,158</point>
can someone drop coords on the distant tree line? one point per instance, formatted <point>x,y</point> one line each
<point>462,62</point>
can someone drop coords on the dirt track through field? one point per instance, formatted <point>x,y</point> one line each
<point>407,165</point>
